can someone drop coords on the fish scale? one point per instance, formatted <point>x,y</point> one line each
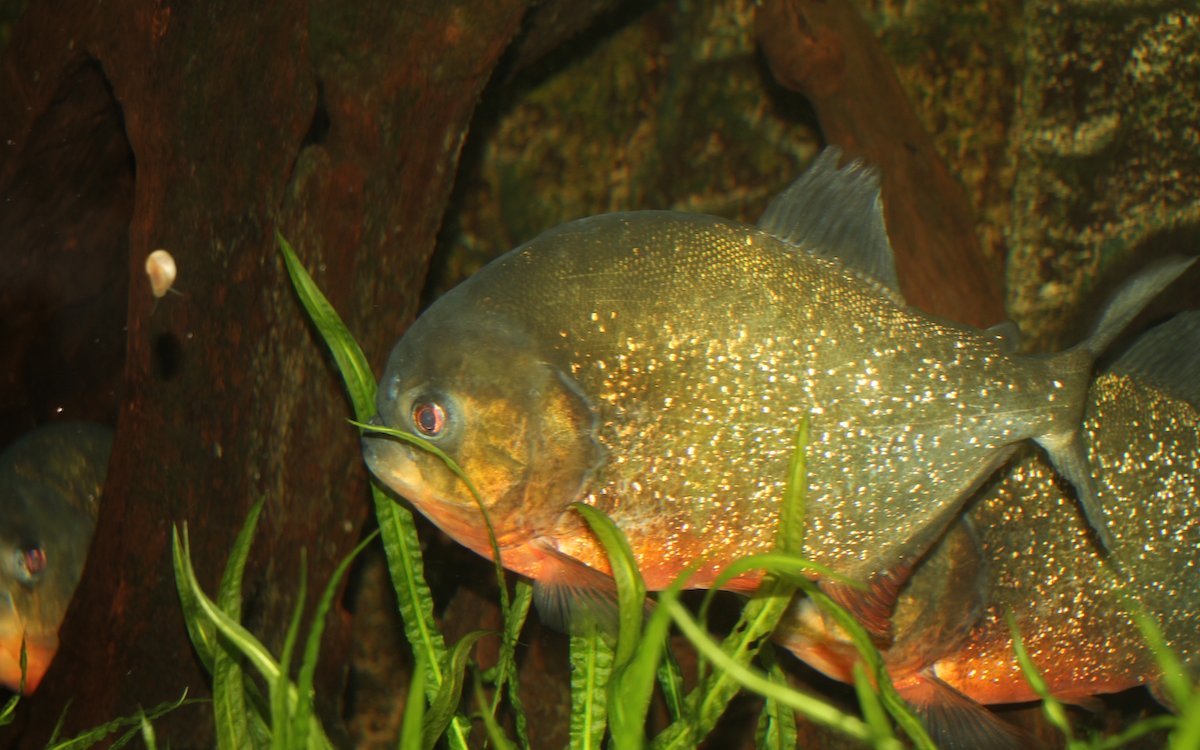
<point>656,365</point>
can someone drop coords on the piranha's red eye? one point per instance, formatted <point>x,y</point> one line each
<point>429,418</point>
<point>31,561</point>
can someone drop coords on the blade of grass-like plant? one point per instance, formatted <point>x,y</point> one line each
<point>229,688</point>
<point>777,723</point>
<point>201,633</point>
<point>494,732</point>
<point>396,526</point>
<point>813,708</point>
<point>591,667</point>
<point>10,707</point>
<point>147,732</point>
<point>759,617</point>
<point>506,665</point>
<point>631,591</point>
<point>100,733</point>
<point>1174,680</point>
<point>237,636</point>
<point>1137,730</point>
<point>282,709</point>
<point>312,644</point>
<point>1054,711</point>
<point>632,684</point>
<point>505,605</point>
<point>876,718</point>
<point>790,536</point>
<point>670,677</point>
<point>895,705</point>
<point>351,362</point>
<point>632,687</point>
<point>9,711</point>
<point>414,710</point>
<point>1187,731</point>
<point>445,704</point>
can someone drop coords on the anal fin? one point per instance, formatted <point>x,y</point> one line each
<point>1069,457</point>
<point>572,597</point>
<point>955,722</point>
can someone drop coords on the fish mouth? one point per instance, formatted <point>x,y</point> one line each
<point>391,461</point>
<point>38,651</point>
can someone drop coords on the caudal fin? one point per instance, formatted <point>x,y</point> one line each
<point>1066,449</point>
<point>1131,299</point>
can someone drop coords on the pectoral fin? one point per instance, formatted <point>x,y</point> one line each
<point>572,597</point>
<point>872,606</point>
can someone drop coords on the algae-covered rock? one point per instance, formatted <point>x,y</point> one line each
<point>1109,151</point>
<point>670,110</point>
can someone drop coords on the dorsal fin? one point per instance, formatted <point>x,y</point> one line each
<point>1009,335</point>
<point>836,213</point>
<point>1168,356</point>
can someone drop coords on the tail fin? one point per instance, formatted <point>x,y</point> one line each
<point>1131,299</point>
<point>1066,449</point>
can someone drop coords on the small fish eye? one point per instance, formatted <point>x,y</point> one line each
<point>429,418</point>
<point>31,561</point>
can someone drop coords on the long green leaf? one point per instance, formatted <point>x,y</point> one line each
<point>414,710</point>
<point>895,705</point>
<point>591,666</point>
<point>494,732</point>
<point>776,728</point>
<point>229,686</point>
<point>792,512</point>
<point>813,708</point>
<point>507,681</point>
<point>445,704</point>
<point>1054,711</point>
<point>1187,731</point>
<point>235,634</point>
<point>629,690</point>
<point>396,526</point>
<point>873,711</point>
<point>312,644</point>
<point>351,362</point>
<point>282,710</point>
<point>102,732</point>
<point>670,676</point>
<point>631,590</point>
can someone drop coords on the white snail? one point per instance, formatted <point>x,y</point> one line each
<point>160,267</point>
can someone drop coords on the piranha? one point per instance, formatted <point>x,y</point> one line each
<point>656,365</point>
<point>50,482</point>
<point>1030,556</point>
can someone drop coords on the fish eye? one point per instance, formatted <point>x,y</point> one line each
<point>29,563</point>
<point>428,417</point>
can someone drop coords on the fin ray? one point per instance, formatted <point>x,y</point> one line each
<point>572,597</point>
<point>1168,356</point>
<point>822,212</point>
<point>955,722</point>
